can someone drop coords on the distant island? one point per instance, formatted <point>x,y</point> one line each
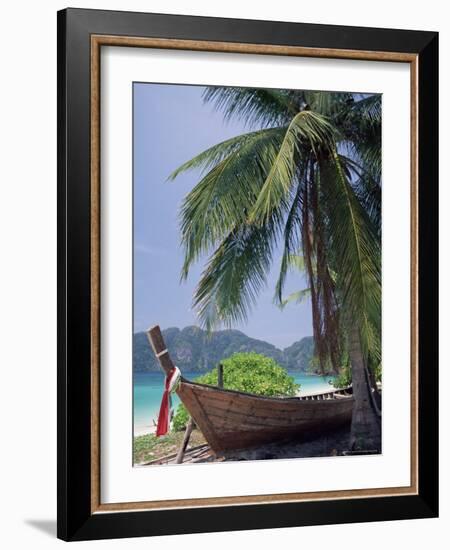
<point>193,350</point>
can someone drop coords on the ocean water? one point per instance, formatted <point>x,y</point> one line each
<point>148,389</point>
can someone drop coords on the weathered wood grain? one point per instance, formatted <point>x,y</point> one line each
<point>236,420</point>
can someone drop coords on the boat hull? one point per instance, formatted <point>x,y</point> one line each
<point>232,420</point>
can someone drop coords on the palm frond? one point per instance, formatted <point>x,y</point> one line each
<point>307,131</point>
<point>328,103</point>
<point>296,297</point>
<point>224,196</point>
<point>234,276</point>
<point>215,154</point>
<point>292,239</point>
<point>368,153</point>
<point>254,106</point>
<point>356,254</point>
<point>367,109</point>
<point>367,189</point>
<point>297,261</point>
<point>362,128</point>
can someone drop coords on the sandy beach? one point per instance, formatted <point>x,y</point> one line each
<point>144,430</point>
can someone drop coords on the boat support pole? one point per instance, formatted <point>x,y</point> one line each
<point>184,444</point>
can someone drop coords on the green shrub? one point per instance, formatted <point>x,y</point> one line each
<point>344,378</point>
<point>247,372</point>
<point>180,418</point>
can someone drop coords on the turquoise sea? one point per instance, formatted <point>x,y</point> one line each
<point>148,389</point>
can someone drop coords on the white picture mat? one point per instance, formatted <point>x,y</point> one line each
<point>120,482</point>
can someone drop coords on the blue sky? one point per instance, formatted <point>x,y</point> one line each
<point>171,125</point>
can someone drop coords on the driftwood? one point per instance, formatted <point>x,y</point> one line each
<point>200,452</point>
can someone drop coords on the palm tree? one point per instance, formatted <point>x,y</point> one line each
<point>307,176</point>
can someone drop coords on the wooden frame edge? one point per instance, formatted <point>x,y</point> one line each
<point>414,272</point>
<point>215,502</point>
<point>95,272</point>
<point>261,49</point>
<point>237,47</point>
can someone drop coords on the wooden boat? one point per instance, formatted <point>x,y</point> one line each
<point>232,420</point>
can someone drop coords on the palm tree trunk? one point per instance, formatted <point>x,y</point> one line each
<point>366,426</point>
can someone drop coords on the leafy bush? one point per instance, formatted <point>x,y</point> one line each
<point>247,372</point>
<point>180,418</point>
<point>344,378</point>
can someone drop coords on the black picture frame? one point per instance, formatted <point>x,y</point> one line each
<point>75,518</point>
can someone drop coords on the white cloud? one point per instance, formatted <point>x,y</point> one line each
<point>150,250</point>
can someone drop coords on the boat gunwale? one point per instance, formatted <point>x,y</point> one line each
<point>267,397</point>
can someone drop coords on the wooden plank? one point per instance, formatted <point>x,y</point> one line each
<point>257,407</point>
<point>224,391</point>
<point>220,422</point>
<point>234,418</point>
<point>172,456</point>
<point>302,412</point>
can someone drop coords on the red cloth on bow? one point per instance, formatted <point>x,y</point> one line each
<point>163,417</point>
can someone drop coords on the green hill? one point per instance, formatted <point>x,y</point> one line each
<point>193,350</point>
<point>299,354</point>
